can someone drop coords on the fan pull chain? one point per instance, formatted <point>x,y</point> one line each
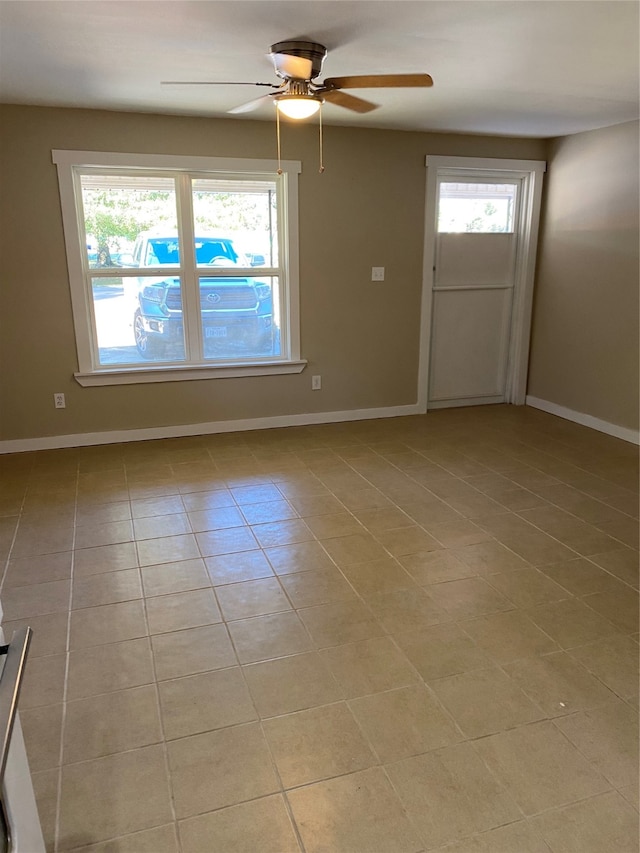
<point>278,138</point>
<point>321,169</point>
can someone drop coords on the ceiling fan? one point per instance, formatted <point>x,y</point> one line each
<point>298,63</point>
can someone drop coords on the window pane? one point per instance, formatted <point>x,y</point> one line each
<point>240,317</point>
<point>474,207</point>
<point>117,208</point>
<point>235,222</point>
<point>138,320</point>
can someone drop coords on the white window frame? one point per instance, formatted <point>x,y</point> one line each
<point>70,163</point>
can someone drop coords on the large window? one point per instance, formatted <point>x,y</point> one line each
<point>180,269</point>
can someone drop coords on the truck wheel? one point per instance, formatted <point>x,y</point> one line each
<point>145,346</point>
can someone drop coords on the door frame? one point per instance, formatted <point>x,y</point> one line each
<point>530,173</point>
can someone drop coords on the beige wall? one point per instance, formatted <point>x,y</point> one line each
<point>584,349</point>
<point>365,210</point>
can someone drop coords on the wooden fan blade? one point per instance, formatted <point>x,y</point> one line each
<point>250,105</point>
<point>350,102</point>
<point>378,81</point>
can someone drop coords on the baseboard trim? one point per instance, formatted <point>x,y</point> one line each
<point>630,435</point>
<point>56,442</point>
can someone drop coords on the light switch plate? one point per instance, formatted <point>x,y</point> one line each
<point>377,273</point>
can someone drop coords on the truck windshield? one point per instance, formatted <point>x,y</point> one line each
<point>167,251</point>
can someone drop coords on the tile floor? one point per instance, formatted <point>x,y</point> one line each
<point>380,637</point>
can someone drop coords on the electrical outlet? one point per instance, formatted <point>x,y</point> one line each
<point>59,402</point>
<point>377,273</point>
<point>316,383</point>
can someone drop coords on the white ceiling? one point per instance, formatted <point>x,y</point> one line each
<point>540,68</point>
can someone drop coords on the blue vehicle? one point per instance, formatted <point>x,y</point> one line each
<point>236,311</point>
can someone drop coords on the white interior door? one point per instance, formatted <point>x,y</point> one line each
<point>481,232</point>
<point>474,278</point>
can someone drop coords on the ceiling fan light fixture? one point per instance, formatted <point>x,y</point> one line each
<point>298,106</point>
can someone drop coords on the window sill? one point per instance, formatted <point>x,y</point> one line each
<point>135,376</point>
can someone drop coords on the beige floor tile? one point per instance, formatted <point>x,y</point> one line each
<point>318,504</point>
<point>210,499</point>
<point>619,607</point>
<point>358,813</point>
<point>336,524</point>
<point>340,622</point>
<point>103,669</point>
<point>300,557</point>
<point>259,825</point>
<point>182,610</point>
<point>614,661</point>
<point>527,541</point>
<point>105,558</point>
<point>157,527</point>
<point>266,637</point>
<point>264,513</point>
<point>216,518</point>
<point>630,793</point>
<point>42,729</point>
<point>519,837</point>
<point>457,534</point>
<point>407,540</point>
<point>151,507</point>
<point>608,737</point>
<point>357,548</point>
<point>35,600</point>
<point>527,587</point>
<point>405,722</point>
<point>378,576</point>
<point>45,787</point>
<point>43,681</point>
<point>203,702</point>
<point>427,567</point>
<point>622,563</point>
<point>33,541</point>
<point>108,533</point>
<point>381,519</point>
<point>228,541</point>
<point>317,586</point>
<point>581,577</point>
<point>449,794</point>
<point>255,494</point>
<point>243,566</point>
<point>316,744</point>
<point>278,533</point>
<point>571,623</point>
<point>601,823</point>
<point>194,650</point>
<point>49,633</point>
<point>168,578</point>
<point>468,597</point>
<point>167,549</point>
<point>485,701</point>
<point>406,610</point>
<point>441,650</point>
<point>252,598</point>
<point>290,684</point>
<point>110,623</point>
<point>509,636</point>
<point>114,722</point>
<point>117,780</point>
<point>540,767</point>
<point>221,768</point>
<point>558,684</point>
<point>106,588</point>
<point>160,839</point>
<point>43,569</point>
<point>369,666</point>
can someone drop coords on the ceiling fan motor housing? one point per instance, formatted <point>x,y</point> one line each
<point>310,50</point>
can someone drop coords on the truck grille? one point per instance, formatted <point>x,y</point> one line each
<point>217,297</point>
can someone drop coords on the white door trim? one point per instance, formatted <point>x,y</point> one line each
<point>530,172</point>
